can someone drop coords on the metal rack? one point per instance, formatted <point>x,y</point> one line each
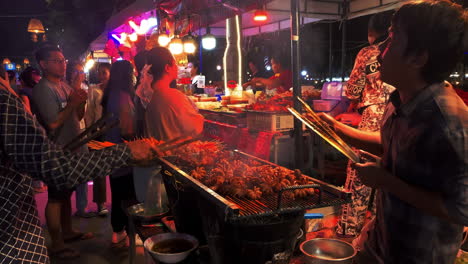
<point>242,208</point>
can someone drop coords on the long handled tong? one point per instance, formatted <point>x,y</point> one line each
<point>166,146</point>
<point>317,120</point>
<point>322,129</point>
<point>97,129</point>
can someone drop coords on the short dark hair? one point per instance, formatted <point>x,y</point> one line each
<point>26,76</point>
<point>104,65</point>
<point>43,53</point>
<point>195,64</point>
<point>140,60</point>
<point>158,58</point>
<point>380,22</point>
<point>281,59</point>
<point>438,27</point>
<point>11,75</point>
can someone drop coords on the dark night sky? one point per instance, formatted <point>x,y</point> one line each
<point>16,41</point>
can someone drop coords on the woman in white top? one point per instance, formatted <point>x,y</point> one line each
<point>93,114</point>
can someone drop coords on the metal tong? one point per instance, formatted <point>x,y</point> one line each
<point>97,129</point>
<point>161,148</point>
<point>324,131</point>
<point>177,142</point>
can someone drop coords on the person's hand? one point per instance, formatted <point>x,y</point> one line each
<point>327,119</point>
<point>245,85</point>
<point>352,119</point>
<point>78,97</point>
<point>143,151</point>
<point>369,170</point>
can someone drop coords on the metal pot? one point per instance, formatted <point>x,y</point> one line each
<point>137,211</point>
<point>327,251</point>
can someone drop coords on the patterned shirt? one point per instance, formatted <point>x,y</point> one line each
<point>364,84</point>
<point>425,144</point>
<point>27,153</point>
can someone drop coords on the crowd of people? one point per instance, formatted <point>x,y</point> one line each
<point>57,106</point>
<point>412,139</point>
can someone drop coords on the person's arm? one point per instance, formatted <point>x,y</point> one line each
<point>80,111</point>
<point>27,105</point>
<point>190,121</point>
<point>443,160</point>
<point>372,175</point>
<point>365,140</point>
<point>127,116</point>
<point>429,202</point>
<point>90,114</point>
<point>46,102</point>
<point>269,83</point>
<point>25,143</point>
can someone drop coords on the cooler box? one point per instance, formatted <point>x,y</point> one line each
<point>332,101</point>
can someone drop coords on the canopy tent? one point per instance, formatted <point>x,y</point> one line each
<point>283,14</point>
<point>214,14</point>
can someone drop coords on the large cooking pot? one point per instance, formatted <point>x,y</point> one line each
<point>327,251</point>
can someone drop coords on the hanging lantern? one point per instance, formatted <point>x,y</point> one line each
<point>209,42</point>
<point>44,38</point>
<point>189,44</point>
<point>35,26</point>
<point>260,16</point>
<point>26,61</point>
<point>18,67</point>
<point>6,61</point>
<point>176,46</point>
<point>164,40</point>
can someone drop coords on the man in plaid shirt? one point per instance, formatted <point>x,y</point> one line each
<point>26,154</point>
<point>422,203</point>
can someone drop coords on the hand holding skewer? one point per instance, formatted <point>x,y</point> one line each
<point>143,151</point>
<point>369,170</point>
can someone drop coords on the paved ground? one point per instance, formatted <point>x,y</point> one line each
<point>97,250</point>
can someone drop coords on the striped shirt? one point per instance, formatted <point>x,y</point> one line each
<point>26,154</point>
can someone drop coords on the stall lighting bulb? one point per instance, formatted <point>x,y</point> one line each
<point>176,46</point>
<point>163,40</point>
<point>189,48</point>
<point>209,42</point>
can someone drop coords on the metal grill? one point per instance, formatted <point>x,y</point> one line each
<point>238,209</point>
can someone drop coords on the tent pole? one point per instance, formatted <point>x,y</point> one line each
<point>343,37</point>
<point>296,64</point>
<point>330,55</point>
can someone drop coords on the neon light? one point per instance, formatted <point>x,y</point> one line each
<point>260,16</point>
<point>226,90</point>
<point>239,51</point>
<point>145,25</point>
<point>122,37</point>
<point>133,37</point>
<point>134,26</point>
